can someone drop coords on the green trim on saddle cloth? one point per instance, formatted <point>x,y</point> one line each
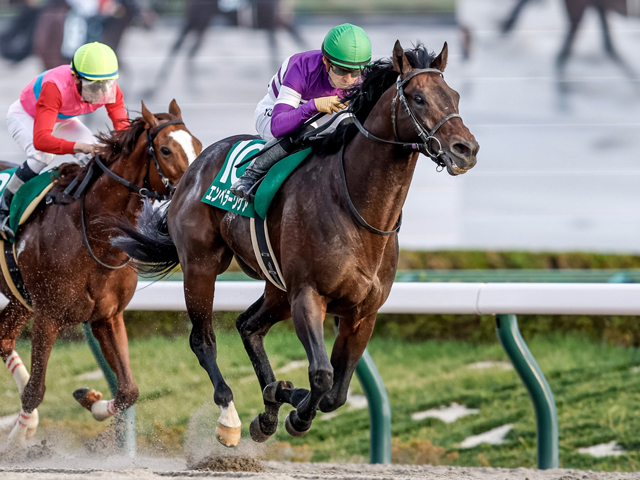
<point>219,195</point>
<point>28,196</point>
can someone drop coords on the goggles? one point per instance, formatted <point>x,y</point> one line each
<point>99,91</point>
<point>343,72</point>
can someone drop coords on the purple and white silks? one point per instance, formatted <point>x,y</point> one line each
<point>288,103</point>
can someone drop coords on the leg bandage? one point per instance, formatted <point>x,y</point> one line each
<point>24,428</point>
<point>103,409</point>
<point>18,370</point>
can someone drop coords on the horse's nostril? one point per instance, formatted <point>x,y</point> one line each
<point>461,149</point>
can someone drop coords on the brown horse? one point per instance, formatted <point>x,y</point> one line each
<point>333,261</point>
<point>70,269</point>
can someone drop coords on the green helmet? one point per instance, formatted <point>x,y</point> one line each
<point>95,61</point>
<point>347,46</point>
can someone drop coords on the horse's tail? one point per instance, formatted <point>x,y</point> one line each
<point>149,243</point>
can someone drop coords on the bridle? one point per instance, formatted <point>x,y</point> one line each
<point>426,136</point>
<point>425,147</point>
<point>143,191</point>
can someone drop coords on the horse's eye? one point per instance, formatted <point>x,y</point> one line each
<point>419,100</point>
<point>165,151</point>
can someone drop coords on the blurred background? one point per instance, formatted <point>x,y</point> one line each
<point>557,167</point>
<point>549,88</point>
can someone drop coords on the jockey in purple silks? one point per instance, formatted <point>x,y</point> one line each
<point>306,84</point>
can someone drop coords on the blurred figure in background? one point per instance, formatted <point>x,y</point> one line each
<point>54,29</point>
<point>44,123</point>
<point>306,84</point>
<point>268,15</point>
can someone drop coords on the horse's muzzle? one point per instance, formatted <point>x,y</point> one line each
<point>461,156</point>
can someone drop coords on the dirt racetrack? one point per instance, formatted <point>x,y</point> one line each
<point>152,468</point>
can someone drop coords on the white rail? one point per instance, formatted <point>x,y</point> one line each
<point>452,298</point>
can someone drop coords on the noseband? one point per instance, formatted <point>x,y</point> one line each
<point>425,135</point>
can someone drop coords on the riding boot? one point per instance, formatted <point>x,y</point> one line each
<point>24,174</point>
<point>246,185</point>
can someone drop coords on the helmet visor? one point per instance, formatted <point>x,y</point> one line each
<point>99,92</point>
<point>342,72</point>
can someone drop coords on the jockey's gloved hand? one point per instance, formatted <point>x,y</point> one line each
<point>87,148</point>
<point>332,104</point>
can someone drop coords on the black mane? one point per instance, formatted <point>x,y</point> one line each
<point>377,78</point>
<point>115,145</point>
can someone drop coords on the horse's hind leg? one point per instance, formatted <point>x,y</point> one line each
<point>112,337</point>
<point>12,319</point>
<point>253,325</point>
<point>350,343</point>
<point>200,272</point>
<point>308,309</point>
<point>43,337</point>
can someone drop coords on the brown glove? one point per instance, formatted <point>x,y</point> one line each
<point>329,105</point>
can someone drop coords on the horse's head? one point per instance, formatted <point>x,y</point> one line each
<point>431,113</point>
<point>172,145</point>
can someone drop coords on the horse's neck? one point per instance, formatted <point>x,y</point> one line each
<point>107,196</point>
<point>379,174</point>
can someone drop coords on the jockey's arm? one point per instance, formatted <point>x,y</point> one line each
<point>117,112</point>
<point>286,118</point>
<point>47,108</point>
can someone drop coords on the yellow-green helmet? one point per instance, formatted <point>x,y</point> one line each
<point>347,46</point>
<point>95,61</point>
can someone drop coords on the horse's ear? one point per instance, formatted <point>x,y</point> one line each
<point>400,62</point>
<point>149,118</point>
<point>174,109</point>
<point>440,62</point>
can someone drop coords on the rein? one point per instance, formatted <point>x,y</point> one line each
<point>425,135</point>
<point>142,191</point>
<point>354,210</point>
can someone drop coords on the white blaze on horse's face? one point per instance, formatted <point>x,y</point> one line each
<point>185,140</point>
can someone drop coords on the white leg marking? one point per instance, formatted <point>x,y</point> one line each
<point>185,140</point>
<point>18,370</point>
<point>102,410</point>
<point>229,416</point>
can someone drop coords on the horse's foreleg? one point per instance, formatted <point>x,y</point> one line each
<point>199,287</point>
<point>606,32</point>
<point>43,336</point>
<point>350,343</point>
<point>112,337</point>
<point>575,11</point>
<point>308,310</point>
<point>253,325</point>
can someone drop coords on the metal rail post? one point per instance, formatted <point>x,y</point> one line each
<point>379,406</point>
<point>539,390</point>
<point>125,421</point>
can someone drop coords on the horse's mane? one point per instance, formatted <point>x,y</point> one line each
<point>377,78</point>
<point>115,145</point>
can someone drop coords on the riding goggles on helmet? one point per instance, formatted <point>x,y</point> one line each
<point>343,72</point>
<point>100,92</point>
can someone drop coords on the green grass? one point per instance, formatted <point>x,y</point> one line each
<point>596,391</point>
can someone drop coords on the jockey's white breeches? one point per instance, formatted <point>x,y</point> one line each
<point>262,117</point>
<point>20,125</point>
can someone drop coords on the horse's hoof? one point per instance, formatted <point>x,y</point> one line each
<point>271,392</point>
<point>228,436</point>
<point>33,425</point>
<point>86,397</point>
<point>256,432</point>
<point>290,428</point>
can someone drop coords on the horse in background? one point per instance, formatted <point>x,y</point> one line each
<point>72,272</point>
<point>575,10</point>
<point>267,15</point>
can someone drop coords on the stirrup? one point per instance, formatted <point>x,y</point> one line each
<point>5,230</point>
